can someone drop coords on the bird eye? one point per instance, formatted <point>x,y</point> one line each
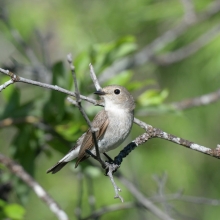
<point>117,91</point>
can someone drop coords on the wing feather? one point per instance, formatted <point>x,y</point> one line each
<point>100,122</point>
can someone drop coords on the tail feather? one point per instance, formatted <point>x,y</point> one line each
<point>73,153</point>
<point>57,167</point>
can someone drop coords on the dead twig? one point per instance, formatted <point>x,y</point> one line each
<point>35,186</point>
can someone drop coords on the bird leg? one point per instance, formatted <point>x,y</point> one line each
<point>91,154</point>
<point>96,158</point>
<point>110,160</point>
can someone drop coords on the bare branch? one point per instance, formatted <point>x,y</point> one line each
<point>106,209</point>
<point>40,192</point>
<point>159,43</point>
<point>18,40</point>
<point>13,121</point>
<point>172,34</point>
<point>199,200</point>
<point>161,182</point>
<point>17,78</point>
<point>111,169</point>
<point>6,84</point>
<point>143,200</point>
<point>152,132</point>
<point>190,15</point>
<point>198,101</point>
<point>78,100</point>
<point>94,78</point>
<point>189,49</point>
<point>185,198</point>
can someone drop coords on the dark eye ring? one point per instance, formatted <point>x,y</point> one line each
<point>117,91</point>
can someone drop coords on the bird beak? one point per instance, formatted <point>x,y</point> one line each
<point>99,92</point>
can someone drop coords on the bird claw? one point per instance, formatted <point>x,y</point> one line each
<point>114,167</point>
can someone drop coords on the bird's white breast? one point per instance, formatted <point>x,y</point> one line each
<point>120,123</point>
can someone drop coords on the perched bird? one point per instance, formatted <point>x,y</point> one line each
<point>113,124</point>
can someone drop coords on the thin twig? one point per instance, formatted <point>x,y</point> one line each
<point>161,182</point>
<point>18,40</point>
<point>189,15</point>
<point>152,132</point>
<point>35,186</point>
<point>185,198</point>
<point>17,78</point>
<point>6,84</point>
<point>197,101</point>
<point>143,200</point>
<point>111,208</point>
<point>13,121</point>
<point>78,100</point>
<point>145,55</point>
<point>111,169</point>
<point>94,78</point>
<point>189,49</point>
<point>72,68</point>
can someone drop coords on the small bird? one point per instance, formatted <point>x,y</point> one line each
<point>113,124</point>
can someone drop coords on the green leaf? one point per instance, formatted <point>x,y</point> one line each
<point>136,85</point>
<point>12,104</point>
<point>121,78</point>
<point>25,146</point>
<point>54,108</point>
<point>81,63</point>
<point>103,55</point>
<point>2,203</point>
<point>152,97</point>
<point>125,79</point>
<point>14,211</point>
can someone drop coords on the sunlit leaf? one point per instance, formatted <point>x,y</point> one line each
<point>14,211</point>
<point>152,97</point>
<point>120,79</point>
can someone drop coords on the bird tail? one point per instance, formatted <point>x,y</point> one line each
<point>57,167</point>
<point>73,153</point>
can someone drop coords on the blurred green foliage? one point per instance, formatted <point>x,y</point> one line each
<point>45,126</point>
<point>11,211</point>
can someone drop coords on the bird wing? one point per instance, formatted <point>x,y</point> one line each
<point>100,123</point>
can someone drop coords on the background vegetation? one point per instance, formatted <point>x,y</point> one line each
<point>36,36</point>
